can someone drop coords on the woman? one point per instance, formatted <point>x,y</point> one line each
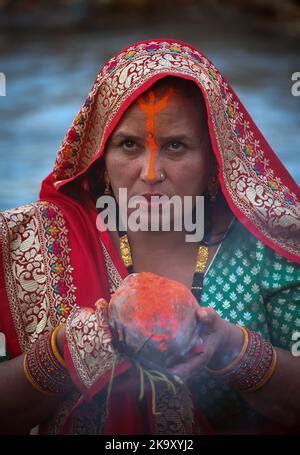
<point>160,119</point>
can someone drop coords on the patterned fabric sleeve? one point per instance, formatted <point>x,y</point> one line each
<point>280,285</point>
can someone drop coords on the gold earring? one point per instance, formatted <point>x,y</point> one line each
<point>213,188</point>
<point>107,187</point>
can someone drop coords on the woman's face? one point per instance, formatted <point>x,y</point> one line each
<point>161,145</point>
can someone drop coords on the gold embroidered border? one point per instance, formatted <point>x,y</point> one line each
<point>176,411</point>
<point>90,343</point>
<point>114,278</point>
<point>38,274</point>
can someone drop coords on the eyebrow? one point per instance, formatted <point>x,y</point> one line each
<point>178,137</point>
<point>124,134</point>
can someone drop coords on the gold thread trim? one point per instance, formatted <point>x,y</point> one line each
<point>55,350</point>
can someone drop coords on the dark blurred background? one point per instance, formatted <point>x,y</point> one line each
<point>51,52</point>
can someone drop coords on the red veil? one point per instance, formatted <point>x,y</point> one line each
<point>258,189</point>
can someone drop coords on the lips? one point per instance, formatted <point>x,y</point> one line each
<point>148,196</point>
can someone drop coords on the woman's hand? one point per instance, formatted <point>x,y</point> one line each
<point>220,342</point>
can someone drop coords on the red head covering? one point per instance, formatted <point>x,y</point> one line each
<point>259,190</point>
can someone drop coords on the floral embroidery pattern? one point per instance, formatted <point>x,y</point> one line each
<point>37,269</point>
<point>175,411</point>
<point>56,242</point>
<point>90,344</point>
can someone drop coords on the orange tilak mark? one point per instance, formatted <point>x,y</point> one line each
<point>150,109</point>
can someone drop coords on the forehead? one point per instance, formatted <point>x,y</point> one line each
<point>168,106</point>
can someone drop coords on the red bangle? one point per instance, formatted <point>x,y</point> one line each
<point>42,367</point>
<point>255,365</point>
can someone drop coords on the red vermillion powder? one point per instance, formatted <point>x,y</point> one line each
<point>154,308</point>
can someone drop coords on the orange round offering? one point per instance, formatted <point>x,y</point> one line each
<point>157,316</point>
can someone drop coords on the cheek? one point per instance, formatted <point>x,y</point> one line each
<point>121,170</point>
<point>201,169</point>
<point>191,177</point>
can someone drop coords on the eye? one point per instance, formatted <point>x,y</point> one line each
<point>130,147</point>
<point>175,146</point>
<point>128,144</point>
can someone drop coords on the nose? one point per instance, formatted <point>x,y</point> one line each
<point>151,171</point>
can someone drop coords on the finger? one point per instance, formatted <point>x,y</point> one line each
<point>185,369</point>
<point>198,356</point>
<point>207,315</point>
